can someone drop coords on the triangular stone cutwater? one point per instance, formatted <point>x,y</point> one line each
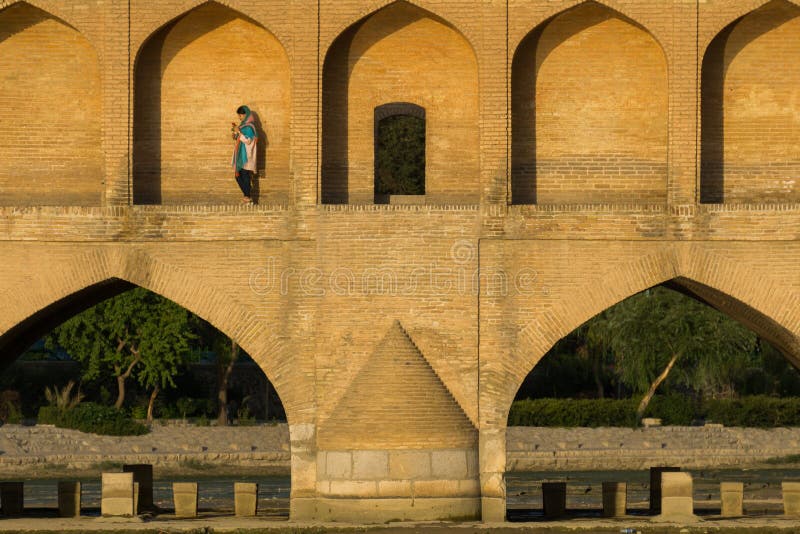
<point>397,386</point>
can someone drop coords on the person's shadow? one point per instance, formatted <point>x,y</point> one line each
<point>261,158</point>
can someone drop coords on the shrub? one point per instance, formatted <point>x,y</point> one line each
<point>756,411</point>
<point>93,418</point>
<point>573,412</point>
<point>672,409</point>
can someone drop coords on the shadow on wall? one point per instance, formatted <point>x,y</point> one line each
<point>261,157</point>
<point>190,77</point>
<point>335,74</point>
<point>529,57</point>
<point>718,58</point>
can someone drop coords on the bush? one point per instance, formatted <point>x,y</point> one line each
<point>93,418</point>
<point>573,412</point>
<point>672,409</point>
<point>756,411</point>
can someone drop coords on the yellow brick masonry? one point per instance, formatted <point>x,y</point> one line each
<point>576,156</point>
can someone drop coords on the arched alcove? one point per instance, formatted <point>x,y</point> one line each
<point>50,138</point>
<point>750,110</point>
<point>400,53</point>
<point>190,77</point>
<point>589,111</point>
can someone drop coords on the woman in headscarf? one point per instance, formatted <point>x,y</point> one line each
<point>244,151</point>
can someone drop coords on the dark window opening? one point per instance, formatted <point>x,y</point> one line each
<point>399,151</point>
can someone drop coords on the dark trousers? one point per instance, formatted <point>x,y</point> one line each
<point>243,179</point>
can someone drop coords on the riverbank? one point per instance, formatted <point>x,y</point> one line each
<point>592,449</point>
<point>43,451</point>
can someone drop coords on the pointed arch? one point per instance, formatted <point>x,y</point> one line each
<point>56,12</point>
<point>400,53</point>
<point>749,109</point>
<point>190,76</point>
<point>721,23</point>
<point>171,14</point>
<point>378,5</point>
<point>761,304</point>
<point>621,9</point>
<point>40,51</point>
<point>94,276</point>
<point>585,146</point>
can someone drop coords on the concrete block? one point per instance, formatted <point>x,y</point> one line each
<point>449,464</point>
<point>117,495</point>
<point>370,465</point>
<point>69,499</point>
<point>655,486</point>
<point>615,499</point>
<point>405,465</point>
<point>732,498</point>
<point>791,497</point>
<point>245,498</point>
<point>554,499</point>
<point>676,495</point>
<point>184,496</point>
<point>338,465</point>
<point>12,498</point>
<point>142,475</point>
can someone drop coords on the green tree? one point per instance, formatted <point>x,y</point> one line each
<point>658,330</point>
<point>117,337</point>
<point>400,156</point>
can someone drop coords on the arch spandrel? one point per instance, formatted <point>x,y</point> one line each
<point>752,298</point>
<point>625,11</point>
<point>710,33</point>
<point>136,268</point>
<point>360,14</point>
<point>174,13</point>
<point>55,11</point>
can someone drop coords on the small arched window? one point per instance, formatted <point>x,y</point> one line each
<point>399,151</point>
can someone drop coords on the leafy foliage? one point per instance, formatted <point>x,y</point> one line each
<point>93,418</point>
<point>756,411</point>
<point>137,333</point>
<point>400,156</point>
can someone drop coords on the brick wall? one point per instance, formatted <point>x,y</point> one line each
<point>50,112</point>
<point>589,104</point>
<point>751,109</point>
<point>190,79</point>
<point>401,54</point>
<point>313,291</point>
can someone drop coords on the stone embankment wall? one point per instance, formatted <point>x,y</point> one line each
<point>539,449</point>
<point>529,448</point>
<point>41,446</point>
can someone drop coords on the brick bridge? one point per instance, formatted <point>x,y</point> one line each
<point>566,169</point>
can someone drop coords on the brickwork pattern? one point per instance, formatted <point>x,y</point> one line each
<point>400,54</point>
<point>579,135</point>
<point>481,287</point>
<point>183,115</point>
<point>51,112</point>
